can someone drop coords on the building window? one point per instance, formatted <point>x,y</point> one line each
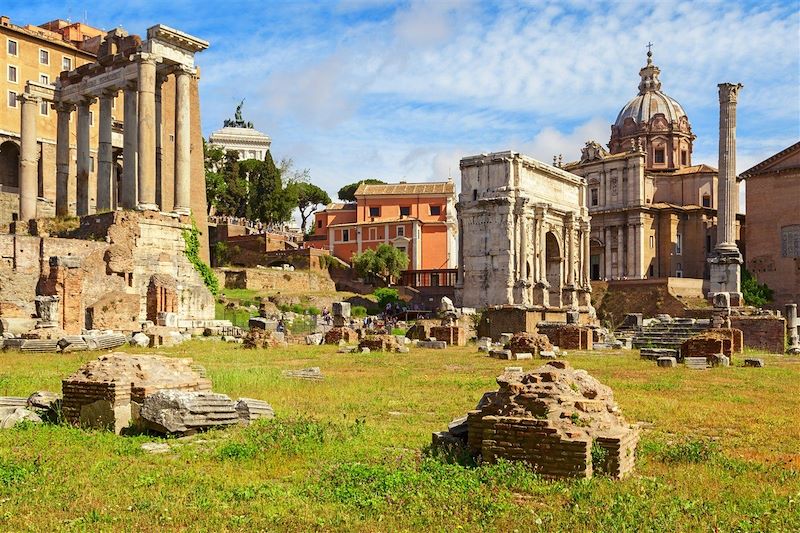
<point>436,210</point>
<point>474,194</point>
<point>12,99</point>
<point>319,223</point>
<point>44,57</point>
<point>652,242</point>
<point>12,74</point>
<point>12,47</point>
<point>374,211</point>
<point>44,79</point>
<point>405,211</point>
<point>679,271</point>
<point>373,234</point>
<point>595,196</point>
<point>790,241</point>
<point>651,271</point>
<point>684,157</point>
<point>345,235</point>
<point>708,244</point>
<point>44,108</point>
<point>706,200</point>
<point>91,118</point>
<point>91,164</point>
<point>678,244</point>
<point>401,231</point>
<point>66,63</point>
<point>659,155</point>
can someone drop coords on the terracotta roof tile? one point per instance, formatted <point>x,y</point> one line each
<point>443,187</point>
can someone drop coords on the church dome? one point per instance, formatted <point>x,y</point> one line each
<point>650,101</point>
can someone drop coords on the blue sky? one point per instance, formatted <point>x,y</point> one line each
<point>361,88</point>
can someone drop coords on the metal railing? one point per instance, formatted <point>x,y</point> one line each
<point>442,277</point>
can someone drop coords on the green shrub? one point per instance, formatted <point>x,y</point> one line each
<point>358,311</point>
<point>386,295</point>
<point>192,239</point>
<point>755,294</point>
<point>221,254</point>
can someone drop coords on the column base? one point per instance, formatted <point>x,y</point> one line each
<point>182,211</point>
<point>147,207</point>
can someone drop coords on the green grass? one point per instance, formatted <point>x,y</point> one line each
<point>719,452</point>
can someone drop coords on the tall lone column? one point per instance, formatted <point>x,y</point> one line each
<point>571,252</point>
<point>105,163</point>
<point>147,133</point>
<point>183,78</point>
<point>726,262</point>
<point>28,158</point>
<point>84,158</point>
<point>160,79</point>
<point>63,112</point>
<point>607,262</point>
<point>726,214</point>
<point>129,183</point>
<point>620,252</point>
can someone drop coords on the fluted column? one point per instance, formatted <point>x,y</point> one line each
<point>607,254</point>
<point>63,112</point>
<point>105,163</point>
<point>146,130</point>
<point>639,250</point>
<point>129,183</point>
<point>85,196</point>
<point>542,248</point>
<point>28,157</point>
<point>726,213</point>
<point>183,79</point>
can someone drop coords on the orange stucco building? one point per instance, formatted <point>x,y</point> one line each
<point>418,218</point>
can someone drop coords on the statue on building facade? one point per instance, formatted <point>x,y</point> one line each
<point>238,121</point>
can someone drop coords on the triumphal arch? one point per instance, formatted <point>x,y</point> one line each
<point>524,234</point>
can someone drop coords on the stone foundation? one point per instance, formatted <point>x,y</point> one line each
<point>452,335</point>
<point>568,336</point>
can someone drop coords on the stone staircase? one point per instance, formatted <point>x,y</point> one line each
<point>664,336</point>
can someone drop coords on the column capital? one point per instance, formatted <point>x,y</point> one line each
<point>63,107</point>
<point>86,101</point>
<point>28,98</point>
<point>146,57</point>
<point>108,93</point>
<point>729,92</point>
<point>130,86</point>
<point>184,70</point>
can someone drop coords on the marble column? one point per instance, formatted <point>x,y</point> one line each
<point>726,213</point>
<point>638,259</point>
<point>630,268</point>
<point>63,112</point>
<point>146,129</point>
<point>542,250</point>
<point>129,183</point>
<point>607,254</point>
<point>104,156</point>
<point>28,157</point>
<point>791,325</point>
<point>523,247</point>
<point>571,252</point>
<point>620,251</point>
<point>587,254</point>
<point>160,79</point>
<point>85,196</point>
<point>183,78</point>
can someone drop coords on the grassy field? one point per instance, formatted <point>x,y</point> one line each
<point>720,452</point>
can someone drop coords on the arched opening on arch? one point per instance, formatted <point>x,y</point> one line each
<point>553,263</point>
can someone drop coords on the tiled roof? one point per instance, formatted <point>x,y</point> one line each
<point>443,187</point>
<point>756,168</point>
<point>694,169</point>
<point>340,207</point>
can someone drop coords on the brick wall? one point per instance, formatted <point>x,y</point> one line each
<point>285,281</point>
<point>766,333</point>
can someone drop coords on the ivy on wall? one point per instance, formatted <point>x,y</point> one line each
<point>192,239</point>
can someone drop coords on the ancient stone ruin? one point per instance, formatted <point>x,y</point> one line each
<point>560,421</point>
<point>102,392</point>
